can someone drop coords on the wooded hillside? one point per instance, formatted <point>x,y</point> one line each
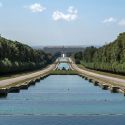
<point>109,58</point>
<point>17,57</point>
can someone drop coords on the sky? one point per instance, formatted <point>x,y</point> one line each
<point>62,22</point>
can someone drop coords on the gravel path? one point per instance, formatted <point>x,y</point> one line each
<point>117,81</point>
<point>24,77</point>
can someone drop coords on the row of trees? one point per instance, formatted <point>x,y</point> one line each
<point>17,57</point>
<point>109,58</point>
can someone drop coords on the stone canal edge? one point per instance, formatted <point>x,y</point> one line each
<point>23,82</point>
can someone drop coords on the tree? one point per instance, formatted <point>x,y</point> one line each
<point>110,57</point>
<point>18,57</point>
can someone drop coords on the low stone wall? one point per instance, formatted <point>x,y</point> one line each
<point>17,88</point>
<point>103,85</point>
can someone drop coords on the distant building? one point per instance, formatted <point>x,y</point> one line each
<point>63,49</point>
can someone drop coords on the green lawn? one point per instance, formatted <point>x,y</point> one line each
<point>64,72</point>
<point>4,77</point>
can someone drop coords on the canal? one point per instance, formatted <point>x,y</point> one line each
<point>63,99</point>
<point>62,66</point>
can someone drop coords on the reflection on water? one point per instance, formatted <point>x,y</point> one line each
<point>63,94</point>
<point>63,66</point>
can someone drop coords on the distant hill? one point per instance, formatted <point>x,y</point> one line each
<point>63,49</point>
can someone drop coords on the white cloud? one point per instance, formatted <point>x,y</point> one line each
<point>72,10</point>
<point>122,22</point>
<point>109,20</point>
<point>116,21</point>
<point>36,8</point>
<point>1,4</point>
<point>70,16</point>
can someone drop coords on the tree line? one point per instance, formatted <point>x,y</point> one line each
<point>109,58</point>
<point>18,57</point>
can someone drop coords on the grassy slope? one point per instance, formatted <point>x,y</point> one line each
<point>64,72</point>
<point>4,77</point>
<point>15,75</point>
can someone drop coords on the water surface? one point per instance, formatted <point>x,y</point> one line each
<point>63,95</point>
<point>63,100</point>
<point>63,65</point>
<point>62,120</point>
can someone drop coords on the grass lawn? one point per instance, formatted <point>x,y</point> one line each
<point>63,72</point>
<point>4,77</point>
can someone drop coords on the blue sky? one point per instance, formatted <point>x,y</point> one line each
<point>62,22</point>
